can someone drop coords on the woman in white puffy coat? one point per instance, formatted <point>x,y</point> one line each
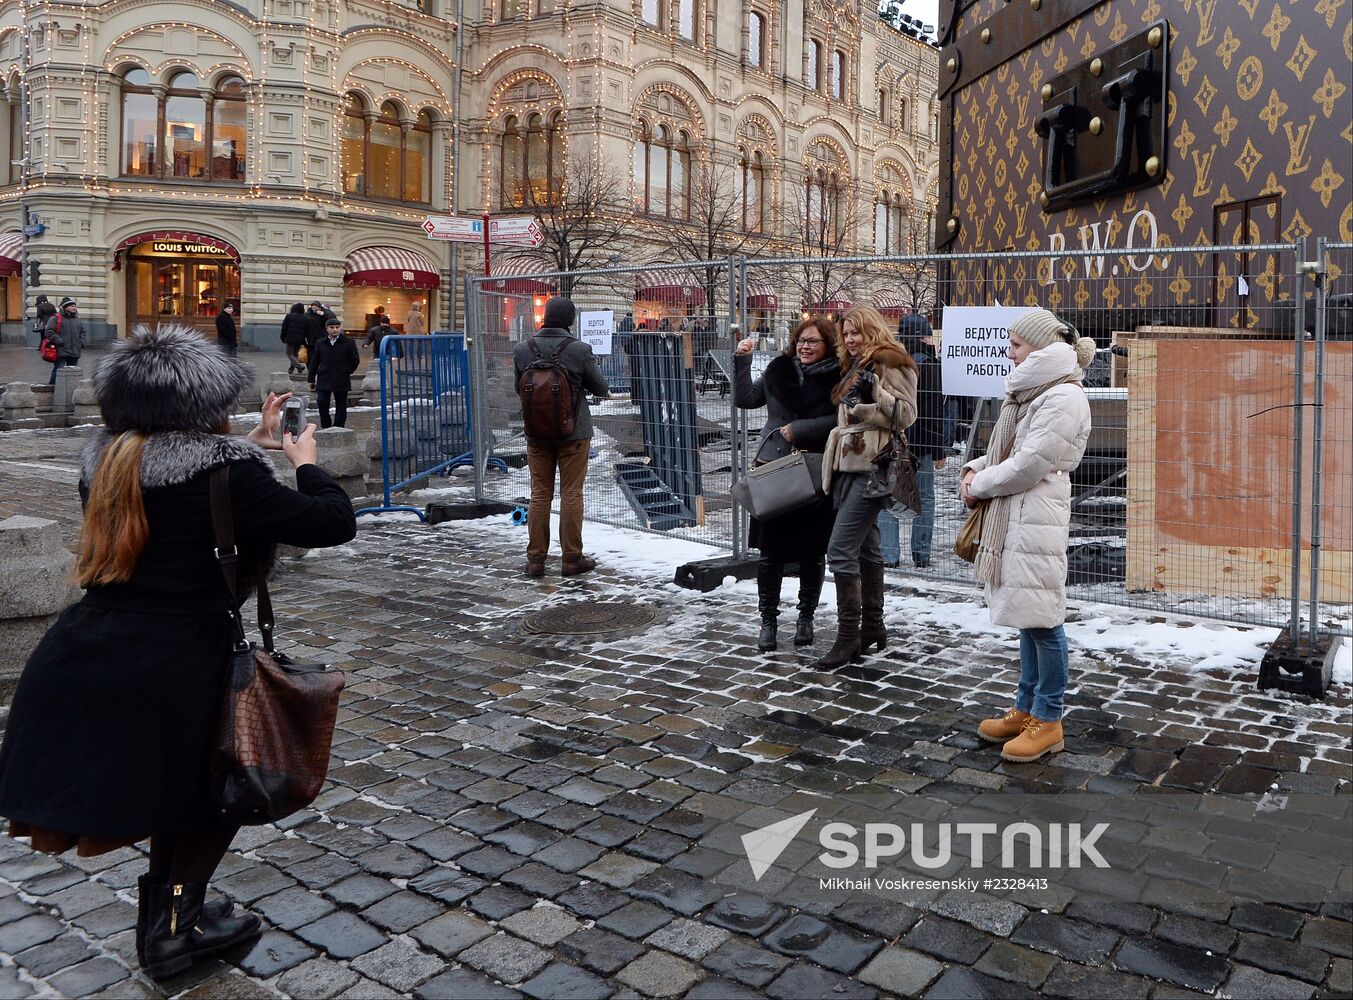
<point>1042,430</point>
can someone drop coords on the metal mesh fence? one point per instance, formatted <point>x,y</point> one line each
<point>1200,466</point>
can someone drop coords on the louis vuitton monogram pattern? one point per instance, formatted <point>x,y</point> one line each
<point>1260,127</point>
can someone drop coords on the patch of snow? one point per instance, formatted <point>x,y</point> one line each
<point>1343,663</point>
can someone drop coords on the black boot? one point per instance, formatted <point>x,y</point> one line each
<point>769,575</point>
<point>847,646</point>
<point>811,573</point>
<point>872,631</point>
<point>217,909</point>
<point>179,933</point>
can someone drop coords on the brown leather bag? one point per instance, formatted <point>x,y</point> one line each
<point>970,535</point>
<point>277,717</point>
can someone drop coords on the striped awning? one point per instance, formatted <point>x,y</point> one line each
<point>890,304</point>
<point>11,254</point>
<point>189,240</point>
<point>390,267</point>
<point>760,293</point>
<point>514,271</point>
<point>669,286</point>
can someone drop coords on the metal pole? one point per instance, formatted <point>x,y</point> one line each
<point>1298,431</point>
<point>1318,428</point>
<point>475,350</point>
<point>737,278</point>
<point>455,153</point>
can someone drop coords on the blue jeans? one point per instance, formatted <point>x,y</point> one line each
<point>855,535</point>
<point>922,525</point>
<point>1043,665</point>
<point>59,363</point>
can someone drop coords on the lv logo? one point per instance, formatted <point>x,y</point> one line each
<point>1298,139</point>
<point>1206,29</point>
<point>1202,166</point>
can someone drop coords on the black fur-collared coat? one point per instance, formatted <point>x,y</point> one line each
<point>114,718</point>
<point>801,398</point>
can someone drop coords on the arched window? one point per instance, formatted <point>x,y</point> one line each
<point>839,75</point>
<point>825,198</point>
<point>14,136</point>
<point>814,79</point>
<point>229,130</point>
<point>383,156</point>
<point>752,190</point>
<point>685,19</point>
<point>532,160</point>
<point>203,133</point>
<point>651,12</point>
<point>892,224</point>
<point>662,172</point>
<point>756,39</point>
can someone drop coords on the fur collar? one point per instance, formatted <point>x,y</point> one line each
<point>174,457</point>
<point>782,380</point>
<point>889,356</point>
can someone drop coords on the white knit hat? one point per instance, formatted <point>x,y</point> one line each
<point>1039,328</point>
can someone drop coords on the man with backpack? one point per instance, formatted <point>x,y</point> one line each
<point>555,373</point>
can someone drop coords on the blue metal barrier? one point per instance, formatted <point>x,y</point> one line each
<point>615,367</point>
<point>425,412</point>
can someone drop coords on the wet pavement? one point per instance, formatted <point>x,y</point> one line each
<point>510,813</point>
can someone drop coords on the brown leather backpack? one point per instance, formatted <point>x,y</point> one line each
<point>547,402</point>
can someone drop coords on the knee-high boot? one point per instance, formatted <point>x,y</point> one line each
<point>811,573</point>
<point>179,934</point>
<point>872,630</point>
<point>769,575</point>
<point>847,645</point>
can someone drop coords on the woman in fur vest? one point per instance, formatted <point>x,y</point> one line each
<point>796,391</point>
<point>876,400</point>
<point>1038,440</point>
<point>111,731</point>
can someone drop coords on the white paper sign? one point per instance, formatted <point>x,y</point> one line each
<point>975,342</point>
<point>596,328</point>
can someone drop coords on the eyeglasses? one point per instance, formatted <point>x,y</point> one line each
<point>805,342</point>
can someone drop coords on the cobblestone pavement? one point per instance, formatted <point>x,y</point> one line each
<point>514,814</point>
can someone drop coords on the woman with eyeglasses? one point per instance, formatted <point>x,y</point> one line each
<point>796,391</point>
<point>876,399</point>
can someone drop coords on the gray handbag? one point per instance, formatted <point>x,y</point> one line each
<point>787,484</point>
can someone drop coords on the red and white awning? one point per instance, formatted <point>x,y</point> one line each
<point>514,272</point>
<point>390,267</point>
<point>188,239</point>
<point>760,293</point>
<point>891,304</point>
<point>669,286</point>
<point>11,254</point>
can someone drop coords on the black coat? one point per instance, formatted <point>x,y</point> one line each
<point>926,436</point>
<point>806,405</point>
<point>295,330</point>
<point>226,331</point>
<point>331,365</point>
<point>315,326</point>
<point>113,720</point>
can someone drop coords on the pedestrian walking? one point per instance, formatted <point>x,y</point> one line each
<point>66,331</point>
<point>926,438</point>
<point>110,736</point>
<point>563,370</point>
<point>1024,478</point>
<point>378,332</point>
<point>295,335</point>
<point>796,390</point>
<point>415,322</point>
<point>227,334</point>
<point>317,322</point>
<point>332,362</point>
<point>43,310</point>
<point>876,400</point>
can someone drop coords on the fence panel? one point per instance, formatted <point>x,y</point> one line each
<point>425,422</point>
<point>660,454</point>
<point>1332,489</point>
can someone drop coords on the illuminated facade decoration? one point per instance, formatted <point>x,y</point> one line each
<point>298,133</point>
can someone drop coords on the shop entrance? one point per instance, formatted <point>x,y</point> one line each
<point>180,280</point>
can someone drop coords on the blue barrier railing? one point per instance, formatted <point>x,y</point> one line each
<point>425,412</point>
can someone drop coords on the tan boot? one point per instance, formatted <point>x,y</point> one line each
<point>1037,739</point>
<point>1007,727</point>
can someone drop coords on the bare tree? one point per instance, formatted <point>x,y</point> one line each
<point>585,219</point>
<point>719,227</point>
<point>826,238</point>
<point>914,280</point>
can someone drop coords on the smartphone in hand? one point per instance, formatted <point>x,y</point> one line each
<point>293,417</point>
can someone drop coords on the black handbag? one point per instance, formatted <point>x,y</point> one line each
<point>780,487</point>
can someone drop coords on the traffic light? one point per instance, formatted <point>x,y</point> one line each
<point>34,274</point>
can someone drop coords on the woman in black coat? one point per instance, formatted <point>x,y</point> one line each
<point>110,735</point>
<point>796,391</point>
<point>227,334</point>
<point>295,335</point>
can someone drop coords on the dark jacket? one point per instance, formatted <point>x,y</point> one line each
<point>581,365</point>
<point>114,717</point>
<point>802,401</point>
<point>926,436</point>
<point>70,341</point>
<point>315,326</point>
<point>43,312</point>
<point>295,328</point>
<point>226,332</point>
<point>331,365</point>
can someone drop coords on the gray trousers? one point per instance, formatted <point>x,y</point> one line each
<point>855,538</point>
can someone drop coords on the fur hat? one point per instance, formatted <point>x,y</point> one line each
<point>1039,328</point>
<point>560,313</point>
<point>168,379</point>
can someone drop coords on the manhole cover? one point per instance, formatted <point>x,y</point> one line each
<point>587,618</point>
